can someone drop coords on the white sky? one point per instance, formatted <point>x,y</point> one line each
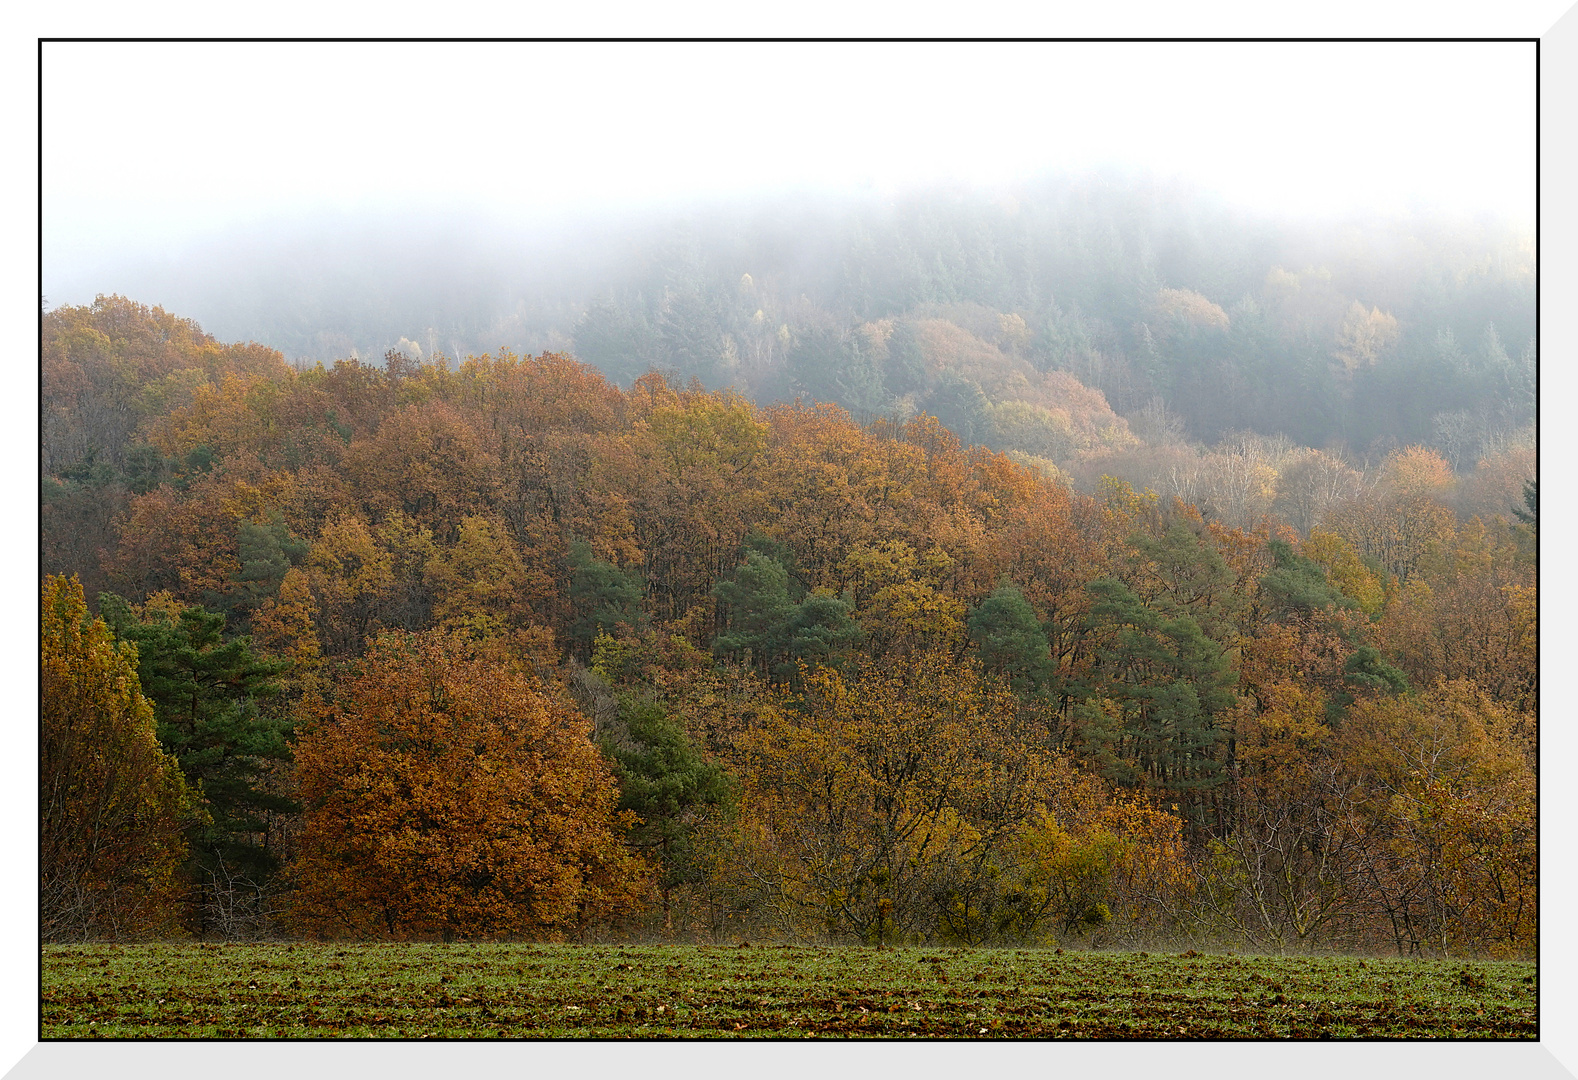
<point>146,145</point>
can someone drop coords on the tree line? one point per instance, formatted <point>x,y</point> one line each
<point>503,649</point>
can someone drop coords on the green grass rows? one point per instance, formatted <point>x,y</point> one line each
<point>519,991</point>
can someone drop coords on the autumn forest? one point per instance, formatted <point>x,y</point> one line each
<point>978,574</point>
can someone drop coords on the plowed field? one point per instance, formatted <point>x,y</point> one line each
<point>572,991</point>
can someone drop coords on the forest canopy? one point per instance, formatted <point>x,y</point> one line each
<point>1080,567</point>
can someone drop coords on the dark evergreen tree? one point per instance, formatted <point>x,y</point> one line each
<point>616,339</point>
<point>1010,638</point>
<point>206,693</point>
<point>905,370</point>
<point>762,622</point>
<point>690,336</point>
<point>671,787</point>
<point>1183,573</point>
<point>962,407</point>
<point>755,610</point>
<point>1529,512</point>
<point>1367,669</point>
<point>819,627</point>
<point>781,553</point>
<point>1364,672</point>
<point>602,597</point>
<point>1172,685</point>
<point>1298,586</point>
<point>146,468</point>
<point>857,382</point>
<point>267,552</point>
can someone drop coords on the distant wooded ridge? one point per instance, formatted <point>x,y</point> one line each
<point>1024,320</point>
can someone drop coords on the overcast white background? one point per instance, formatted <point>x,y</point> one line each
<point>150,146</point>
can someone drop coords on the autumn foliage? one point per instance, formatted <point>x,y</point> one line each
<point>866,681</point>
<point>447,794</point>
<point>111,802</point>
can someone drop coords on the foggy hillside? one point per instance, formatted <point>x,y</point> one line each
<point>1078,317</point>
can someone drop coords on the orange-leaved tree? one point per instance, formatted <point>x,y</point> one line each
<point>447,793</point>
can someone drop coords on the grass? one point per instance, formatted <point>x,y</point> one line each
<point>412,991</point>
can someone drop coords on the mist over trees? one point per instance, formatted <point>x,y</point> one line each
<point>1071,318</point>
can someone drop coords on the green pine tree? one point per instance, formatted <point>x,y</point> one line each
<point>1173,684</point>
<point>206,693</point>
<point>1298,586</point>
<point>670,785</point>
<point>1010,638</point>
<point>602,596</point>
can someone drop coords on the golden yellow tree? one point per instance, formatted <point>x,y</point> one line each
<point>882,793</point>
<point>283,626</point>
<point>1363,337</point>
<point>111,802</point>
<point>1444,791</point>
<point>897,602</point>
<point>480,581</point>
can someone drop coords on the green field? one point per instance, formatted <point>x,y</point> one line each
<point>574,991</point>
